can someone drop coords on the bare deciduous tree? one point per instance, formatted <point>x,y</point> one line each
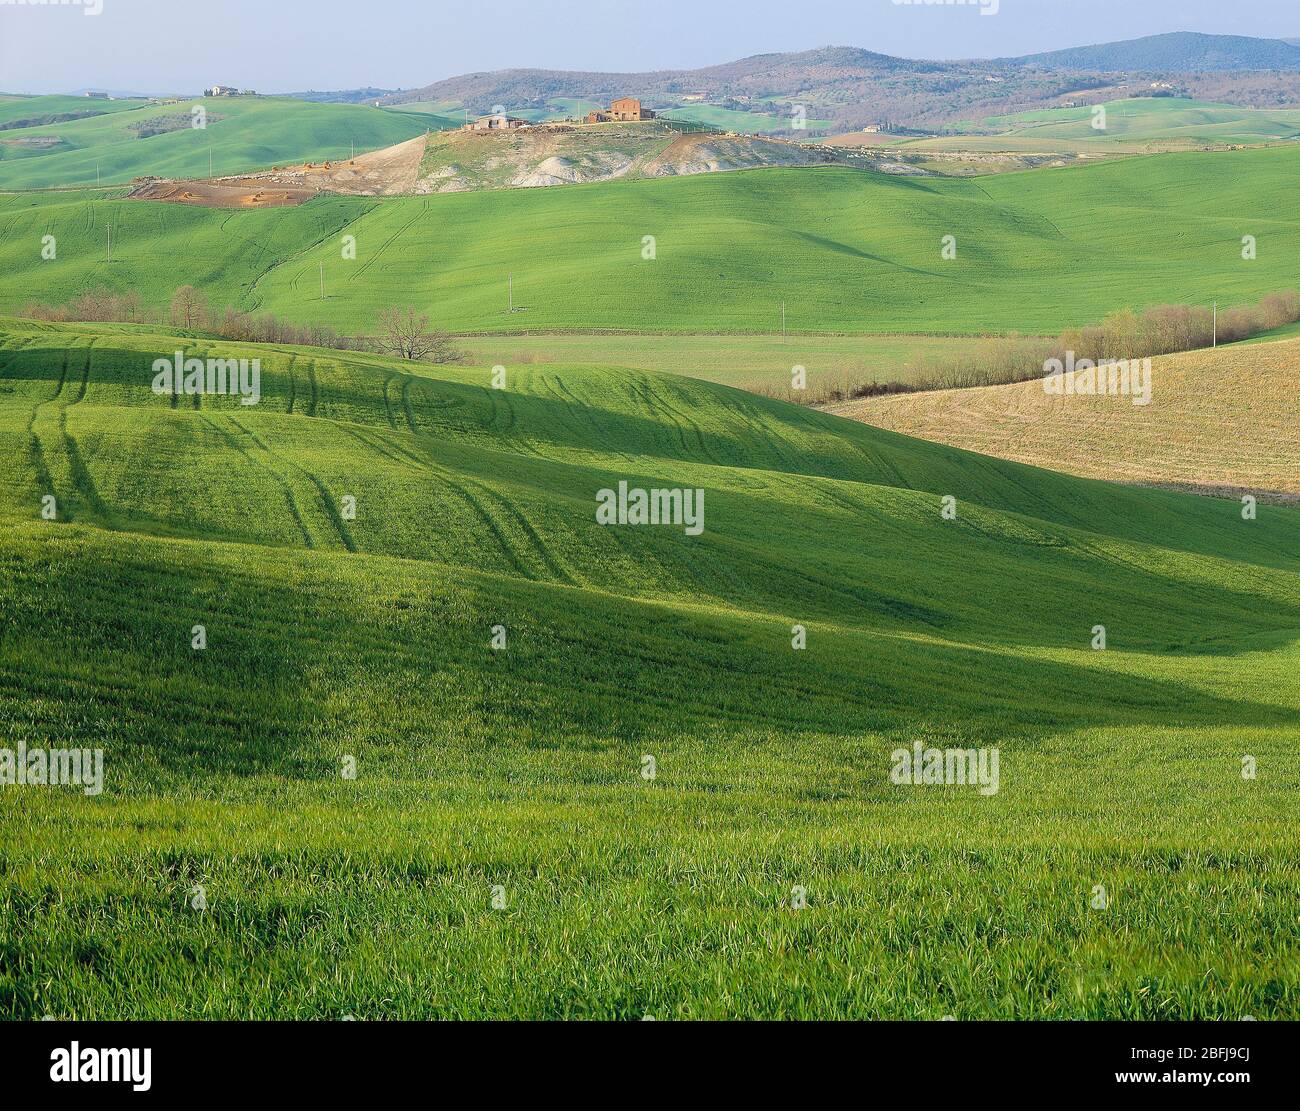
<point>406,333</point>
<point>188,308</point>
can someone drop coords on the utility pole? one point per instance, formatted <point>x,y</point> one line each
<point>783,322</point>
<point>209,161</point>
<point>322,281</point>
<point>96,173</point>
<point>510,287</point>
<point>354,149</point>
<point>1214,342</point>
<point>110,241</point>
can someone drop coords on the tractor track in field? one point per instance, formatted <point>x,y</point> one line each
<point>63,378</point>
<point>44,480</point>
<point>663,412</point>
<point>509,427</point>
<point>494,510</point>
<point>388,402</point>
<point>79,474</point>
<point>566,395</point>
<point>82,480</point>
<point>327,503</point>
<point>763,431</point>
<point>566,413</point>
<point>638,396</point>
<point>85,377</point>
<point>879,463</point>
<point>502,504</point>
<point>492,401</point>
<point>406,403</point>
<point>835,498</point>
<point>285,488</point>
<point>544,553</point>
<point>506,508</point>
<point>293,384</point>
<point>683,416</point>
<point>43,475</point>
<point>400,454</point>
<point>420,213</point>
<point>253,295</point>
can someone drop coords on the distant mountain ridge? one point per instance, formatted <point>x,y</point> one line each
<point>857,87</point>
<point>342,96</point>
<point>763,73</point>
<point>1177,52</point>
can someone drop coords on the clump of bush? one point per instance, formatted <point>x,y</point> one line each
<point>403,332</point>
<point>1161,330</point>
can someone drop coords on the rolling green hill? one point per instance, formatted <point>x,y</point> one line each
<point>1131,125</point>
<point>242,133</point>
<point>21,112</point>
<point>847,250</point>
<point>331,636</point>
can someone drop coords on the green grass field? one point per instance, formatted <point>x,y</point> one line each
<point>1159,123</point>
<point>242,133</point>
<point>745,361</point>
<point>847,250</point>
<point>18,113</point>
<point>330,637</point>
<point>1287,331</point>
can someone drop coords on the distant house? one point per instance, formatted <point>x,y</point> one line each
<point>871,129</point>
<point>624,109</point>
<point>495,122</point>
<point>221,90</point>
<point>99,96</point>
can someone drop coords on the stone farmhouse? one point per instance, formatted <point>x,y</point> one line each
<point>624,109</point>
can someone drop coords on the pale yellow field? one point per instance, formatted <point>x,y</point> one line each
<point>1223,422</point>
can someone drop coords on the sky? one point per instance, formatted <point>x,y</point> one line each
<point>181,46</point>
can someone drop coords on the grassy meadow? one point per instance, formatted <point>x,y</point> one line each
<point>846,250</point>
<point>745,361</point>
<point>520,769</point>
<point>667,791</point>
<point>1135,126</point>
<point>19,112</point>
<point>241,134</point>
